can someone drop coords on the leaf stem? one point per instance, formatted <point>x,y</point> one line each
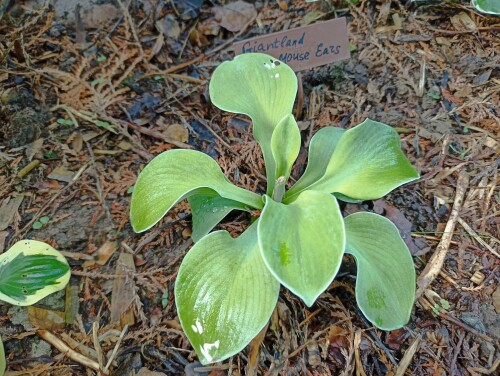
<point>279,189</point>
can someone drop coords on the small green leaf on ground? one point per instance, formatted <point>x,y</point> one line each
<point>164,299</point>
<point>65,121</point>
<point>40,223</point>
<point>434,95</point>
<point>50,154</point>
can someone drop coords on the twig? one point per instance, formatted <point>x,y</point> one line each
<point>115,349</point>
<point>436,262</point>
<point>98,185</point>
<point>357,357</point>
<point>97,345</point>
<point>405,362</point>
<point>430,307</point>
<point>453,366</point>
<point>472,233</point>
<point>27,169</point>
<point>65,349</point>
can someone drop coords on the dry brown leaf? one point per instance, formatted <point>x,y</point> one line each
<point>177,132</point>
<point>496,299</point>
<point>8,209</point>
<point>34,148</point>
<point>123,296</point>
<point>76,142</point>
<point>146,372</point>
<point>463,22</point>
<point>253,354</point>
<point>46,318</point>
<point>3,237</point>
<point>234,16</point>
<point>104,252</point>
<point>61,174</point>
<point>169,27</point>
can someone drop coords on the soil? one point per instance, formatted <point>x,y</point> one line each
<point>92,95</point>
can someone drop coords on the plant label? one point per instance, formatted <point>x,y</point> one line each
<point>304,47</point>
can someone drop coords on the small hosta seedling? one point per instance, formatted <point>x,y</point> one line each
<point>29,271</point>
<point>42,221</point>
<point>227,288</point>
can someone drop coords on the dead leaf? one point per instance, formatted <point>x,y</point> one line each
<point>76,140</point>
<point>313,354</point>
<point>123,295</point>
<point>104,252</point>
<point>3,237</point>
<point>496,299</point>
<point>462,22</point>
<point>98,15</point>
<point>124,145</point>
<point>396,338</point>
<point>482,78</point>
<point>169,27</point>
<point>404,226</point>
<point>8,209</point>
<point>310,17</point>
<point>463,92</point>
<point>177,132</point>
<point>34,148</point>
<point>61,174</point>
<point>146,372</point>
<point>234,16</point>
<point>46,318</point>
<point>253,354</point>
<point>90,135</point>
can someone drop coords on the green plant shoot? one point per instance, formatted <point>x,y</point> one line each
<point>227,288</point>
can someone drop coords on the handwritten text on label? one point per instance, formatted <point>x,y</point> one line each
<point>305,47</point>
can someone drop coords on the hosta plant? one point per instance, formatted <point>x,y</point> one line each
<point>227,288</point>
<point>29,271</point>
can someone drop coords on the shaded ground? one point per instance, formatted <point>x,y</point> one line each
<point>84,106</point>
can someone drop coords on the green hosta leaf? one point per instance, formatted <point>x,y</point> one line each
<point>224,294</point>
<point>261,87</point>
<point>321,149</point>
<point>487,6</point>
<point>285,145</point>
<point>29,271</point>
<point>385,286</point>
<point>3,362</point>
<point>208,210</point>
<point>175,175</point>
<point>303,243</point>
<point>366,164</point>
